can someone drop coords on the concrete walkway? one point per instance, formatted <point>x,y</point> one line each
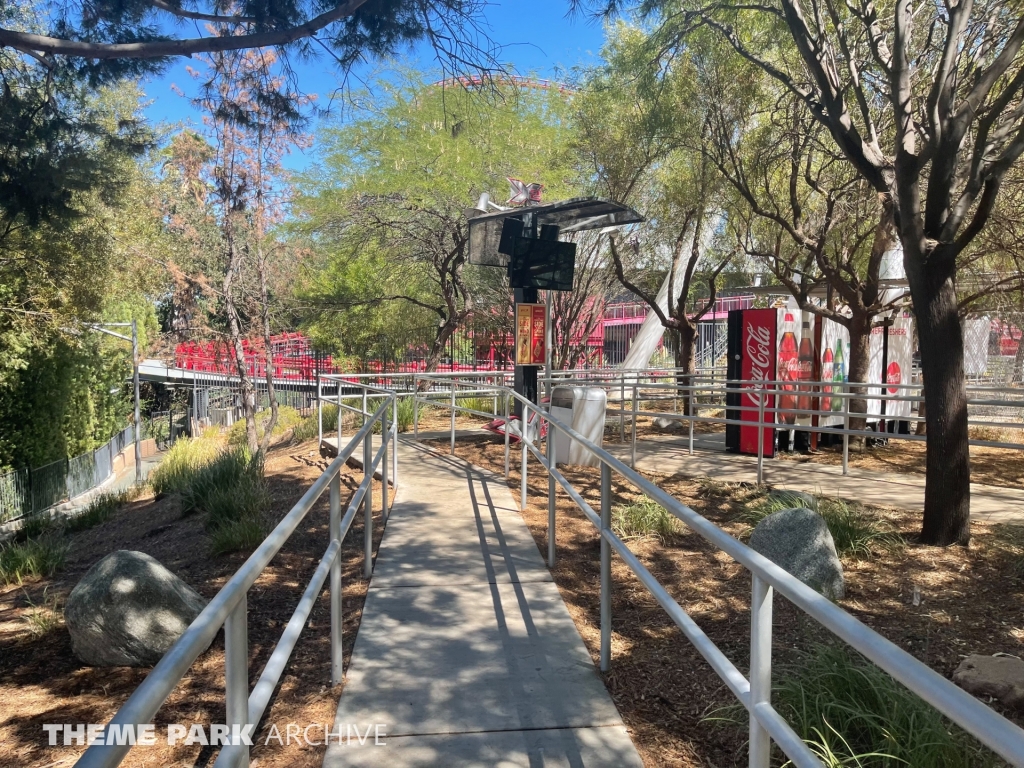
<point>466,654</point>
<point>668,455</point>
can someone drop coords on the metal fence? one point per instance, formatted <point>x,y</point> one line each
<point>29,491</point>
<point>753,691</point>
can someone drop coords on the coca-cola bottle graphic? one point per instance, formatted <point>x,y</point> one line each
<point>893,377</point>
<point>826,375</point>
<point>805,366</point>
<point>787,369</point>
<point>838,375</point>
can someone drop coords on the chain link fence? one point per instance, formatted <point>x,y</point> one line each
<point>28,491</point>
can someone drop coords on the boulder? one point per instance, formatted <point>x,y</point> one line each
<point>996,677</point>
<point>664,424</point>
<point>799,541</point>
<point>793,498</point>
<point>128,610</point>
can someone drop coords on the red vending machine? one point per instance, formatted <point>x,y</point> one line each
<point>752,346</point>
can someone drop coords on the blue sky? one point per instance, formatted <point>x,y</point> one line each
<point>538,36</point>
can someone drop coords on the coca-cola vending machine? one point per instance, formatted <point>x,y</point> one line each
<point>752,346</point>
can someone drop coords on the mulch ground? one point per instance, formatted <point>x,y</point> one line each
<point>967,601</point>
<point>42,682</point>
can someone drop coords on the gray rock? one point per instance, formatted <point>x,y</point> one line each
<point>997,677</point>
<point>128,610</point>
<point>794,498</point>
<point>664,424</point>
<point>799,541</point>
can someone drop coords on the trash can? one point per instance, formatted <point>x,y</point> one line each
<point>583,409</point>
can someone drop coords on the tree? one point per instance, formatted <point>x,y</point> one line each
<point>576,314</point>
<point>388,202</point>
<point>634,128</point>
<point>115,39</point>
<point>925,104</point>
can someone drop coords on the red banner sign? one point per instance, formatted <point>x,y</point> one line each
<point>531,334</point>
<point>758,363</point>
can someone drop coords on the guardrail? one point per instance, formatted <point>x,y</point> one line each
<point>228,609</point>
<point>754,691</point>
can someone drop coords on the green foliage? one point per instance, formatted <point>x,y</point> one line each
<point>44,618</point>
<point>405,413</point>
<point>480,403</point>
<point>183,461</point>
<point>35,526</point>
<point>644,518</point>
<point>856,532</point>
<point>851,713</point>
<point>287,418</point>
<point>35,558</point>
<point>239,534</point>
<point>100,509</point>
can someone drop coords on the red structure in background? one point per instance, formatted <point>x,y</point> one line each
<point>290,355</point>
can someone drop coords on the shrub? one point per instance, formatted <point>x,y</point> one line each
<point>178,468</point>
<point>851,713</point>
<point>478,403</point>
<point>231,473</point>
<point>35,526</point>
<point>35,558</point>
<point>241,534</point>
<point>46,617</point>
<point>287,418</point>
<point>643,518</point>
<point>405,413</point>
<point>100,509</point>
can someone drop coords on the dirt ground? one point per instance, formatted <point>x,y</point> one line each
<point>42,682</point>
<point>968,601</point>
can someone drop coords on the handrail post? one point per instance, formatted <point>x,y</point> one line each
<point>846,431</point>
<point>689,407</point>
<point>551,495</point>
<point>453,418</point>
<point>507,398</point>
<point>339,416</point>
<point>522,440</point>
<point>622,408</point>
<point>760,668</point>
<point>760,437</point>
<point>606,568</point>
<point>384,440</point>
<point>337,656</point>
<point>368,505</point>
<point>236,673</point>
<point>632,459</point>
<point>415,408</point>
<point>394,447</point>
<point>319,414</point>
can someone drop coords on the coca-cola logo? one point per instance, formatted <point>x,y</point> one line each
<point>759,352</point>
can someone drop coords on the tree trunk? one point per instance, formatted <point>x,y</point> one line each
<point>1018,363</point>
<point>947,495</point>
<point>686,334</point>
<point>860,356</point>
<point>268,354</point>
<point>235,332</point>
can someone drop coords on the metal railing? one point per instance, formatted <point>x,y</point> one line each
<point>30,491</point>
<point>228,609</point>
<point>754,691</point>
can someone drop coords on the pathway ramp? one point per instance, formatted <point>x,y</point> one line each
<point>466,654</point>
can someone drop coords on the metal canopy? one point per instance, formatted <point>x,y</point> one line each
<point>577,214</point>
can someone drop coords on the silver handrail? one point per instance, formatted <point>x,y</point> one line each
<point>766,724</point>
<point>228,609</point>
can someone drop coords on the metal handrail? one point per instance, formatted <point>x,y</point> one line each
<point>228,609</point>
<point>765,723</point>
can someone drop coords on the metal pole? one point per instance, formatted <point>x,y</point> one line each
<point>138,416</point>
<point>236,671</point>
<point>548,337</point>
<point>632,460</point>
<point>622,408</point>
<point>368,504</point>
<point>522,441</point>
<point>506,436</point>
<point>606,568</point>
<point>760,668</point>
<point>394,447</point>
<point>689,407</point>
<point>337,667</point>
<point>551,495</point>
<point>339,416</point>
<point>453,417</point>
<point>846,429</point>
<point>415,409</point>
<point>760,438</point>
<point>320,413</point>
<point>384,440</point>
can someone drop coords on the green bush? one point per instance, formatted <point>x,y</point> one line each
<point>38,557</point>
<point>851,713</point>
<point>245,533</point>
<point>405,413</point>
<point>643,518</point>
<point>856,532</point>
<point>287,418</point>
<point>100,509</point>
<point>178,468</point>
<point>478,403</point>
<point>35,526</point>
